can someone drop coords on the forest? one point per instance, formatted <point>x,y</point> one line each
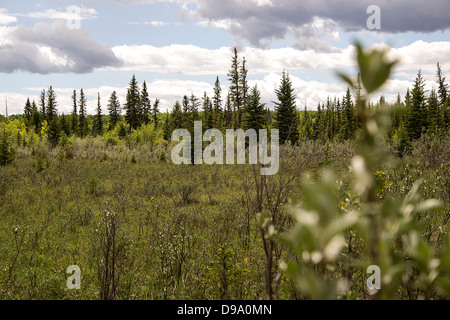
<point>361,183</point>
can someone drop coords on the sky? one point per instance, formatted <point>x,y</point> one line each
<point>179,47</point>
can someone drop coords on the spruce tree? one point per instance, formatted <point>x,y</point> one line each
<point>286,111</point>
<point>51,104</point>
<point>434,114</point>
<point>176,117</point>
<point>235,88</point>
<point>65,127</point>
<point>74,117</point>
<point>349,122</point>
<point>146,105</point>
<point>114,110</point>
<point>7,153</point>
<point>42,106</point>
<point>132,105</point>
<point>228,113</point>
<point>217,104</point>
<point>417,115</point>
<point>255,113</point>
<point>207,112</point>
<point>155,111</point>
<point>36,118</point>
<point>28,113</point>
<point>82,121</point>
<point>98,121</point>
<point>243,82</point>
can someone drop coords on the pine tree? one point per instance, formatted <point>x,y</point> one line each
<point>417,115</point>
<point>114,110</point>
<point>255,113</point>
<point>443,87</point>
<point>146,105</point>
<point>194,104</point>
<point>98,121</point>
<point>54,131</point>
<point>132,105</point>
<point>51,104</point>
<point>74,117</point>
<point>235,88</point>
<point>307,125</point>
<point>155,111</point>
<point>286,111</point>
<point>82,121</point>
<point>166,127</point>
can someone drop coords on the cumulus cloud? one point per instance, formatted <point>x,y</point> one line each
<point>52,48</point>
<point>260,22</point>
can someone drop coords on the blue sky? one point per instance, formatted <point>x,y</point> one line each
<point>179,47</point>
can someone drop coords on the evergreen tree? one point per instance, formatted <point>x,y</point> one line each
<point>28,113</point>
<point>243,84</point>
<point>286,111</point>
<point>235,88</point>
<point>82,121</point>
<point>98,121</point>
<point>43,110</point>
<point>228,113</point>
<point>65,127</point>
<point>443,87</point>
<point>54,131</point>
<point>132,105</point>
<point>166,127</point>
<point>146,105</point>
<point>155,111</point>
<point>176,118</point>
<point>74,117</point>
<point>349,118</point>
<point>36,118</point>
<point>194,104</point>
<point>7,153</point>
<point>114,110</point>
<point>307,125</point>
<point>417,115</point>
<point>217,104</point>
<point>255,113</point>
<point>207,112</point>
<point>51,104</point>
<point>434,114</point>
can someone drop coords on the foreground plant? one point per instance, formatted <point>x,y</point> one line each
<point>335,240</point>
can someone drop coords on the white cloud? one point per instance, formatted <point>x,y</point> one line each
<point>5,18</point>
<point>52,14</point>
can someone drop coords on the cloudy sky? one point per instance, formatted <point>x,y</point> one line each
<point>180,47</point>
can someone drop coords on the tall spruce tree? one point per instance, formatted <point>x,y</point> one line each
<point>132,105</point>
<point>155,111</point>
<point>417,115</point>
<point>255,113</point>
<point>82,121</point>
<point>36,118</point>
<point>42,105</point>
<point>286,111</point>
<point>51,104</point>
<point>235,88</point>
<point>113,110</point>
<point>98,120</point>
<point>74,117</point>
<point>217,104</point>
<point>28,113</point>
<point>146,105</point>
<point>208,120</point>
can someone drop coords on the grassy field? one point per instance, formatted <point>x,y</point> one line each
<point>140,227</point>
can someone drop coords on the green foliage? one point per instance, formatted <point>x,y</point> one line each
<point>7,153</point>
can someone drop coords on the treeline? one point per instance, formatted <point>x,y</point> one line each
<point>335,119</point>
